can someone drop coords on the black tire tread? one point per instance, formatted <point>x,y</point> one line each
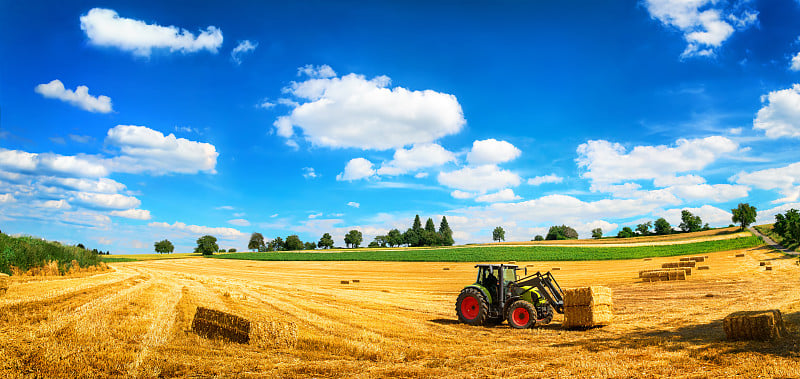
<point>483,314</point>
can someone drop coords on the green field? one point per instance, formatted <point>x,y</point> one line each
<point>506,253</point>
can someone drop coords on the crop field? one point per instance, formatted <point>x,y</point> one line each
<point>391,319</point>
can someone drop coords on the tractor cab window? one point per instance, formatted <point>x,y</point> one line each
<point>509,275</point>
<point>488,277</point>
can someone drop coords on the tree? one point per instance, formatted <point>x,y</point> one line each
<point>690,222</point>
<point>164,247</point>
<point>326,242</point>
<point>373,244</point>
<point>662,227</point>
<point>231,250</point>
<point>310,246</point>
<point>430,226</point>
<point>256,242</point>
<point>538,238</point>
<point>788,225</point>
<point>206,245</point>
<point>597,233</point>
<point>417,227</point>
<point>80,245</point>
<point>353,238</point>
<point>222,251</point>
<point>429,238</point>
<point>394,238</point>
<point>744,215</point>
<point>293,243</point>
<point>626,232</point>
<point>411,237</point>
<point>446,233</point>
<point>499,234</point>
<point>381,240</point>
<point>644,228</point>
<point>276,245</point>
<point>562,232</point>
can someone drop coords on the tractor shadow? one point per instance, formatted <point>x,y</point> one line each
<point>445,321</point>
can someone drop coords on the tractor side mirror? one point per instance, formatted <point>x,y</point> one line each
<point>526,271</point>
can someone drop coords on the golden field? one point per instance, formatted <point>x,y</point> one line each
<point>397,321</point>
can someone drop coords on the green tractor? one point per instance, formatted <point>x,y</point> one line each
<point>498,295</point>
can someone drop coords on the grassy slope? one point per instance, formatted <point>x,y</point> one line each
<point>28,252</point>
<point>767,230</point>
<point>500,253</point>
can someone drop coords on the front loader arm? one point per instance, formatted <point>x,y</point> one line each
<point>547,286</point>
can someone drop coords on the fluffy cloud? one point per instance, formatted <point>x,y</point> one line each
<point>502,195</point>
<point>323,71</point>
<point>102,185</point>
<point>709,214</point>
<point>780,117</point>
<point>104,27</point>
<point>358,168</point>
<point>199,230</point>
<point>239,222</point>
<point>607,162</point>
<point>705,24</point>
<point>241,49</point>
<point>135,214</point>
<point>419,156</point>
<point>309,173</point>
<point>352,111</point>
<point>461,194</point>
<point>479,179</point>
<point>353,204</point>
<point>539,180</point>
<point>7,198</point>
<point>147,150</point>
<point>79,98</point>
<point>795,66</point>
<point>55,204</point>
<point>51,164</point>
<point>106,200</point>
<point>786,179</point>
<point>492,151</point>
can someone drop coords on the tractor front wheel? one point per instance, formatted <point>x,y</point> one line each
<point>471,307</point>
<point>521,315</point>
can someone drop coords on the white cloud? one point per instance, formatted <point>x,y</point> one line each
<point>101,185</point>
<point>104,27</point>
<point>239,222</point>
<point>607,162</point>
<point>716,192</point>
<point>353,204</point>
<point>708,214</point>
<point>198,230</point>
<point>323,71</point>
<point>539,180</point>
<point>462,195</point>
<point>767,216</point>
<point>357,168</point>
<point>52,164</point>
<point>241,49</point>
<point>224,208</point>
<point>419,156</point>
<point>7,198</point>
<point>147,150</point>
<point>702,22</point>
<point>795,66</point>
<point>135,214</point>
<point>308,173</point>
<point>492,151</point>
<point>502,195</point>
<point>479,179</point>
<point>79,98</point>
<point>666,181</point>
<point>266,104</point>
<point>351,111</point>
<point>106,200</point>
<point>780,117</point>
<point>421,175</point>
<point>315,215</point>
<point>786,179</point>
<point>80,139</point>
<point>56,204</point>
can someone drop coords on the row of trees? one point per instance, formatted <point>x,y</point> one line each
<point>292,242</point>
<point>416,235</point>
<point>788,225</point>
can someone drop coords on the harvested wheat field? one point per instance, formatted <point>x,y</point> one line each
<point>391,319</point>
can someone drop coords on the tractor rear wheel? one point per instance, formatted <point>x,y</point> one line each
<point>471,307</point>
<point>521,315</point>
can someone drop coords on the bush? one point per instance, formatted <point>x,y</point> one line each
<point>29,252</point>
<point>562,232</point>
<point>231,250</point>
<point>626,232</point>
<point>538,238</point>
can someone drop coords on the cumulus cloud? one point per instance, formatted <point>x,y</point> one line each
<point>492,151</point>
<point>352,111</point>
<point>239,222</point>
<point>104,27</point>
<point>479,179</point>
<point>309,173</point>
<point>353,204</point>
<point>79,98</point>
<point>323,71</point>
<point>146,150</point>
<point>357,168</point>
<point>705,24</point>
<point>106,200</point>
<point>786,179</point>
<point>419,156</point>
<point>198,230</point>
<point>795,65</point>
<point>51,164</point>
<point>709,214</point>
<point>780,117</point>
<point>462,194</point>
<point>135,214</point>
<point>539,180</point>
<point>241,49</point>
<point>7,198</point>
<point>55,204</point>
<point>101,185</point>
<point>502,195</point>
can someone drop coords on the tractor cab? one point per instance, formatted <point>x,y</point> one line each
<point>495,279</point>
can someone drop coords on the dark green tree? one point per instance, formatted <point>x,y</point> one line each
<point>411,237</point>
<point>394,238</point>
<point>430,226</point>
<point>276,245</point>
<point>626,232</point>
<point>326,242</point>
<point>562,232</point>
<point>206,245</point>
<point>538,238</point>
<point>597,233</point>
<point>353,238</point>
<point>293,243</point>
<point>446,233</point>
<point>662,227</point>
<point>381,240</point>
<point>374,245</point>
<point>256,242</point>
<point>164,247</point>
<point>310,246</point>
<point>644,228</point>
<point>429,238</point>
<point>498,234</point>
<point>690,222</point>
<point>417,227</point>
<point>231,250</point>
<point>743,215</point>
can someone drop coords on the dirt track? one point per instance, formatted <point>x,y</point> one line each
<point>398,321</point>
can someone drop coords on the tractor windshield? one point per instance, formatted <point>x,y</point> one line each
<point>509,275</point>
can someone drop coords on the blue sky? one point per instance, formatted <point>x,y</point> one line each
<point>124,123</point>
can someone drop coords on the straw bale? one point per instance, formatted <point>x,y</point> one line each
<point>768,268</point>
<point>762,263</point>
<point>588,296</point>
<point>679,264</point>
<point>703,268</point>
<point>587,316</point>
<point>754,325</point>
<point>210,323</point>
<point>345,282</point>
<point>696,259</point>
<point>687,270</point>
<point>648,259</point>
<point>663,275</point>
<point>446,269</point>
<point>555,269</point>
<point>740,255</point>
<point>356,280</point>
<point>273,334</point>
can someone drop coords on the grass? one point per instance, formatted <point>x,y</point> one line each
<point>769,232</point>
<point>28,252</point>
<point>500,253</point>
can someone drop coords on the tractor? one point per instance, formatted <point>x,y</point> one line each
<point>498,295</point>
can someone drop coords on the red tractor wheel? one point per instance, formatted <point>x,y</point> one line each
<point>471,307</point>
<point>521,315</point>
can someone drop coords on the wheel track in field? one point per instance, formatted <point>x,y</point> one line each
<point>163,315</point>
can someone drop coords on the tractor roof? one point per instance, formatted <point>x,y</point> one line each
<point>496,265</point>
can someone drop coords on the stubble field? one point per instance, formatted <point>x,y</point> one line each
<point>398,320</point>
